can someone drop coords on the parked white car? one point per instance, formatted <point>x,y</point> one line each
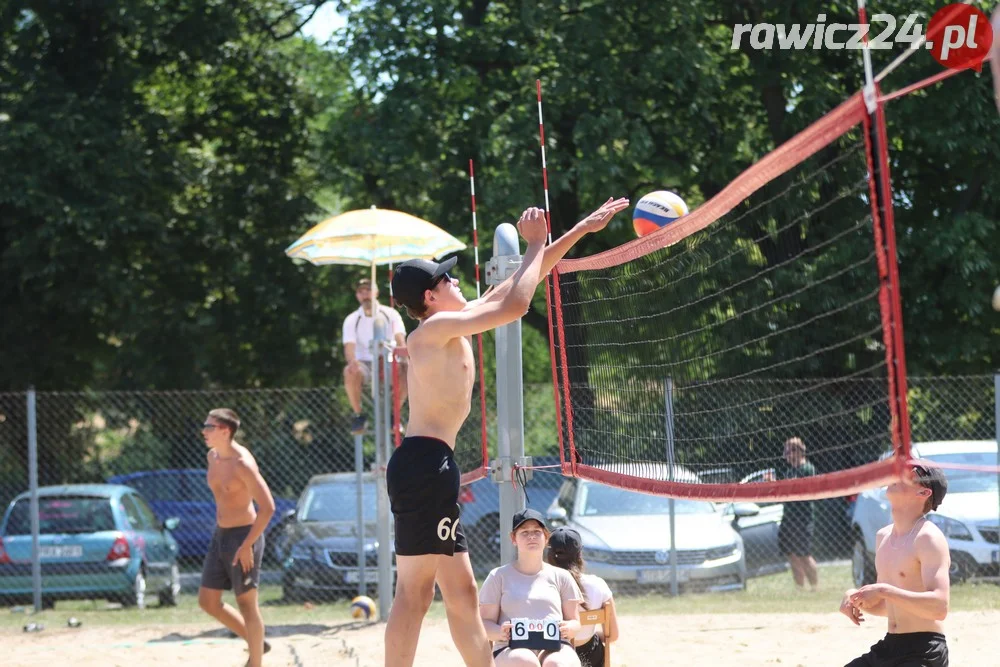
<point>969,516</point>
<point>626,534</point>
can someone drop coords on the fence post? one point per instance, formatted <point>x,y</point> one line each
<point>36,563</point>
<point>669,399</point>
<point>385,583</point>
<point>996,427</point>
<point>510,392</point>
<point>359,472</point>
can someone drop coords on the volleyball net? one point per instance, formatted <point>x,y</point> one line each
<point>687,359</point>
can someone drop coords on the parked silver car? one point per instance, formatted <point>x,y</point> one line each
<point>322,542</point>
<point>968,516</point>
<point>626,536</point>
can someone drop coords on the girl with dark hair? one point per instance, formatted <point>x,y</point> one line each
<point>566,551</point>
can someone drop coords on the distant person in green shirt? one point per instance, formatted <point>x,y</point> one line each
<point>798,522</point>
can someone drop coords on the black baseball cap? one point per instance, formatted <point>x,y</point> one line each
<point>565,542</point>
<point>414,277</point>
<point>931,477</point>
<point>527,515</point>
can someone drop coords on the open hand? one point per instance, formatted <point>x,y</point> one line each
<point>532,225</point>
<point>600,218</point>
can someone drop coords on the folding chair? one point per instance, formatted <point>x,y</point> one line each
<point>593,617</point>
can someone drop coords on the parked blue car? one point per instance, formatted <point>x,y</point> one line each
<point>96,541</point>
<point>184,494</point>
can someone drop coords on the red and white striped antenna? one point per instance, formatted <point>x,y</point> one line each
<point>475,230</point>
<point>545,170</point>
<point>479,337</point>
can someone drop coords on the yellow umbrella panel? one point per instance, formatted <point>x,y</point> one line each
<point>373,236</point>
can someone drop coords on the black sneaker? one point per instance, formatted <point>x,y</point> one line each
<point>359,425</point>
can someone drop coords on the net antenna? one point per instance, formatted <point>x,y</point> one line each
<point>479,336</point>
<point>552,296</point>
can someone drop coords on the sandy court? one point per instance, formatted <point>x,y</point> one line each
<point>725,640</point>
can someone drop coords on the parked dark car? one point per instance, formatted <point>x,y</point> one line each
<point>96,541</point>
<point>184,494</point>
<point>322,541</point>
<point>480,516</point>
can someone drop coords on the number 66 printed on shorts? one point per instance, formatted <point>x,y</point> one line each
<point>447,529</point>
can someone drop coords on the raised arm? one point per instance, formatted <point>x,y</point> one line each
<point>594,222</point>
<point>489,314</point>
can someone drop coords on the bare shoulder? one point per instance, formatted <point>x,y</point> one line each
<point>245,460</point>
<point>930,537</point>
<point>427,334</point>
<point>882,534</point>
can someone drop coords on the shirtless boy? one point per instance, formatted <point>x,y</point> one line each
<point>912,592</point>
<point>234,555</point>
<point>422,477</point>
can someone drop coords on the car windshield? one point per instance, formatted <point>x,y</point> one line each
<point>968,481</point>
<point>62,514</point>
<point>337,501</point>
<point>599,500</point>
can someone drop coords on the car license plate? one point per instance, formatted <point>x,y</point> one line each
<point>657,576</point>
<point>304,582</point>
<point>60,551</point>
<point>371,576</point>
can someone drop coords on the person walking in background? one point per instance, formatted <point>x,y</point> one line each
<point>357,335</point>
<point>795,536</point>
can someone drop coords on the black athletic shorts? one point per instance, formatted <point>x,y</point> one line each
<point>591,654</point>
<point>910,649</point>
<point>795,538</point>
<point>423,481</point>
<point>219,573</point>
<point>561,641</point>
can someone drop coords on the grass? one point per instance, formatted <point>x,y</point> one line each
<point>773,594</point>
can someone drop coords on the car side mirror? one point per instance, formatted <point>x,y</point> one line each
<point>743,510</point>
<point>171,523</point>
<point>557,514</point>
<point>289,514</point>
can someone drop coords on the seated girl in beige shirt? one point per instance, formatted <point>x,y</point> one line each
<point>530,588</point>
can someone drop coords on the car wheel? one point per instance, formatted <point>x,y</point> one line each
<point>276,542</point>
<point>862,567</point>
<point>169,595</point>
<point>962,567</point>
<point>137,596</point>
<point>291,593</point>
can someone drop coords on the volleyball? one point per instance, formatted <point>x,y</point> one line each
<point>655,210</point>
<point>362,608</point>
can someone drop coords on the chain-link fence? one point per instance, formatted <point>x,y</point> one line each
<point>151,442</point>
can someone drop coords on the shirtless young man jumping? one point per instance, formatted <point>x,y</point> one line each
<point>912,562</point>
<point>422,476</point>
<point>234,555</point>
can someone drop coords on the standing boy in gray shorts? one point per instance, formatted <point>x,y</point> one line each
<point>234,555</point>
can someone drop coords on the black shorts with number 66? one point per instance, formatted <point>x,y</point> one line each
<point>423,481</point>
